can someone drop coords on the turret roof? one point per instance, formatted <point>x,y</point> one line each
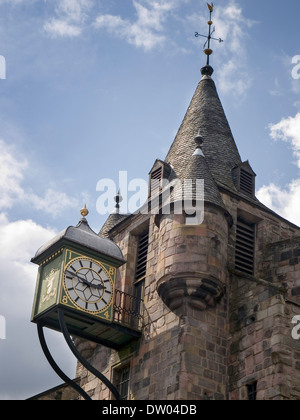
<point>206,115</point>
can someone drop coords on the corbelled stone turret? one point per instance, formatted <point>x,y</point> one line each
<point>194,270</point>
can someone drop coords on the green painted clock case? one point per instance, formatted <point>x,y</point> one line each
<point>50,295</point>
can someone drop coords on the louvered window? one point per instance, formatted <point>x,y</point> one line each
<point>246,182</point>
<point>245,247</point>
<point>156,177</point>
<point>141,266</point>
<point>142,257</point>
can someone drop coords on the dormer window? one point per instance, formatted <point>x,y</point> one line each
<point>160,171</point>
<point>246,182</point>
<point>244,179</point>
<point>156,177</point>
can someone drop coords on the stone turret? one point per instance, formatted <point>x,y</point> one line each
<point>192,266</point>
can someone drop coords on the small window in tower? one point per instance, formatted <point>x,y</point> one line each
<point>245,247</point>
<point>252,391</point>
<point>156,177</point>
<point>246,182</point>
<point>121,381</point>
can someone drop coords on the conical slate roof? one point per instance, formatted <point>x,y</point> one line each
<point>206,114</point>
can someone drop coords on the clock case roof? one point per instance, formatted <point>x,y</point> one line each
<point>83,237</point>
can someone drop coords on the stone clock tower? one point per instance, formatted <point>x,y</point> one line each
<point>216,299</point>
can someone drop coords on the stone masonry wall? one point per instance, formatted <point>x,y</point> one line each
<point>242,338</point>
<point>262,349</point>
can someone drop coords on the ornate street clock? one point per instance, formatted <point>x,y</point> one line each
<point>77,272</point>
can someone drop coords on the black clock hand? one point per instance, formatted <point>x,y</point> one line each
<point>84,281</point>
<point>95,286</point>
<point>71,273</point>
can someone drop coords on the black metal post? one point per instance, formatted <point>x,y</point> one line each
<point>209,38</point>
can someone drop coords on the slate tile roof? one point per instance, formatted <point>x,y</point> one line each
<point>206,114</point>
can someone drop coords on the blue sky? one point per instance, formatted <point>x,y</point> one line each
<point>97,87</point>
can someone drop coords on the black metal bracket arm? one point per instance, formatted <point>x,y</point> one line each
<point>55,367</point>
<point>81,359</point>
<point>78,356</point>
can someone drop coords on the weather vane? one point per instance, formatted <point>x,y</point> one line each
<point>208,51</point>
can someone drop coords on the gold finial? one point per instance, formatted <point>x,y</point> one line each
<point>84,212</point>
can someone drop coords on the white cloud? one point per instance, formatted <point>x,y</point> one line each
<point>147,31</point>
<point>12,2</point>
<point>19,242</point>
<point>53,202</point>
<point>12,192</point>
<point>74,10</point>
<point>11,175</point>
<point>71,16</point>
<point>3,219</point>
<point>284,201</point>
<point>232,27</point>
<point>60,28</point>
<point>288,130</point>
<point>228,83</point>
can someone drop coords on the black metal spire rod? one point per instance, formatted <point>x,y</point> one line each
<point>208,51</point>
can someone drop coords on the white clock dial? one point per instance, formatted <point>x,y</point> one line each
<point>88,285</point>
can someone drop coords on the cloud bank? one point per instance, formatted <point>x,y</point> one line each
<point>70,18</point>
<point>147,30</point>
<point>12,191</point>
<point>285,200</point>
<point>19,241</point>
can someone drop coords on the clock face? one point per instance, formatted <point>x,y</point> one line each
<point>88,285</point>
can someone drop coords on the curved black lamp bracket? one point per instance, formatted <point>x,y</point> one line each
<point>78,356</point>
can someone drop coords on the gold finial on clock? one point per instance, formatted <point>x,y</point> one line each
<point>84,212</point>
